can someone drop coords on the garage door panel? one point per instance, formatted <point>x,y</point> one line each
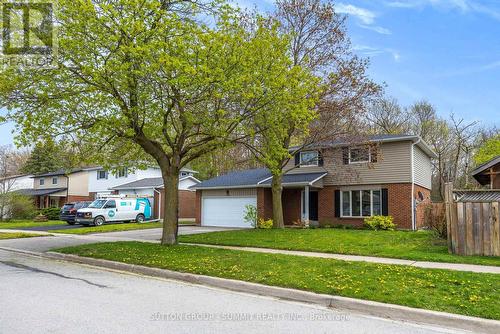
<point>226,211</point>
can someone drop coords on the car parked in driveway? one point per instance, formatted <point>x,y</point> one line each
<point>68,211</point>
<point>115,209</point>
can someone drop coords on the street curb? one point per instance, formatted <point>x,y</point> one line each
<point>390,311</point>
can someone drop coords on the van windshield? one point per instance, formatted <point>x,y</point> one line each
<point>97,204</point>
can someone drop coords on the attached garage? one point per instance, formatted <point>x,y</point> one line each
<point>226,211</point>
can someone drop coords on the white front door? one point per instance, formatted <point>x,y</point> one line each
<point>226,211</point>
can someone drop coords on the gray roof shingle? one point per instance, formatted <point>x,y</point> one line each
<point>254,178</point>
<point>149,182</point>
<point>39,192</point>
<point>249,177</point>
<point>297,178</point>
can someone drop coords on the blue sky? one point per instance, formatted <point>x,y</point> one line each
<point>445,51</point>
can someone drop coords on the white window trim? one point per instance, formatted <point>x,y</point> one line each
<point>56,179</point>
<point>99,174</point>
<point>125,174</point>
<point>361,199</point>
<point>41,182</point>
<point>310,164</point>
<point>360,162</point>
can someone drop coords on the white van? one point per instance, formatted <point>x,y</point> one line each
<point>115,209</point>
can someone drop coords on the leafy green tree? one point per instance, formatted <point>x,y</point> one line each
<point>46,156</point>
<point>489,150</point>
<point>319,44</point>
<point>146,80</point>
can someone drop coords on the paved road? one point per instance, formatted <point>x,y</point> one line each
<point>41,295</point>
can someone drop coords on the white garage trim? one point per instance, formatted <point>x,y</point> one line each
<point>225,211</point>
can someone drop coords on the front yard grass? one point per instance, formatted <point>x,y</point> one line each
<point>16,224</point>
<point>418,246</point>
<point>16,235</point>
<point>458,292</point>
<point>115,227</point>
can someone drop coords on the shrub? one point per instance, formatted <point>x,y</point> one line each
<point>435,219</point>
<point>16,206</point>
<point>50,213</point>
<point>265,224</point>
<point>250,215</point>
<point>380,223</point>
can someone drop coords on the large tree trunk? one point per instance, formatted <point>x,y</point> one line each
<point>171,206</point>
<point>277,190</point>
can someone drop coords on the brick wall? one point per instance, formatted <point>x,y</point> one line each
<point>187,204</point>
<point>264,203</point>
<point>420,211</point>
<point>291,205</point>
<point>74,198</point>
<point>198,207</point>
<point>399,205</point>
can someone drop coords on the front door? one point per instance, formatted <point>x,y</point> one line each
<point>313,205</point>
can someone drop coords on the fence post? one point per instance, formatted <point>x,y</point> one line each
<point>448,202</point>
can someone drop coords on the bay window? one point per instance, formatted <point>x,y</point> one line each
<point>361,203</point>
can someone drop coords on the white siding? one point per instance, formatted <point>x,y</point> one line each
<point>103,185</point>
<point>422,168</point>
<point>186,183</point>
<point>20,182</point>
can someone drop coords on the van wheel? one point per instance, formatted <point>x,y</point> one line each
<point>98,221</point>
<point>140,218</point>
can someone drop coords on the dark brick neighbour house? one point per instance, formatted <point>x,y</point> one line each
<point>333,183</point>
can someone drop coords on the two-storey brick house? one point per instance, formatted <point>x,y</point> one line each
<point>332,183</point>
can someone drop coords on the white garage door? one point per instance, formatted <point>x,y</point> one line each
<point>225,211</point>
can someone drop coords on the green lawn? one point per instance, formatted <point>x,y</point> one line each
<point>442,290</point>
<point>14,224</point>
<point>17,235</point>
<point>420,246</point>
<point>115,227</point>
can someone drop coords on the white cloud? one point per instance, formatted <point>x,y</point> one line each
<point>464,6</point>
<point>380,30</point>
<point>371,51</point>
<point>365,17</point>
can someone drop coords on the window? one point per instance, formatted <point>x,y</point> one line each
<point>361,203</point>
<point>54,180</point>
<point>102,174</point>
<point>309,158</point>
<point>110,204</point>
<point>42,182</point>
<point>359,154</point>
<point>184,174</point>
<point>122,172</point>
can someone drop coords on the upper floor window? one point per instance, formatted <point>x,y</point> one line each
<point>54,180</point>
<point>184,174</point>
<point>309,158</point>
<point>42,182</point>
<point>359,154</point>
<point>122,172</point>
<point>102,174</point>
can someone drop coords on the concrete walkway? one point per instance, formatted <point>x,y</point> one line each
<point>373,259</point>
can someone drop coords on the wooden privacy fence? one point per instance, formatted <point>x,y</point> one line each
<point>473,228</point>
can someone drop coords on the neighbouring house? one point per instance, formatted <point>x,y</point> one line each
<point>83,184</point>
<point>9,184</point>
<point>16,182</point>
<point>153,187</point>
<point>488,173</point>
<point>330,183</point>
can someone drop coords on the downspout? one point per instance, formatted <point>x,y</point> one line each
<point>413,208</point>
<point>159,202</point>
